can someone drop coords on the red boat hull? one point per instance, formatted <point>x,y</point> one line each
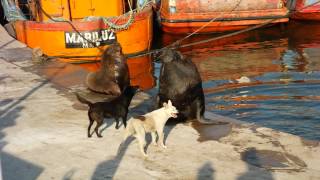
<point>182,16</point>
<point>306,10</point>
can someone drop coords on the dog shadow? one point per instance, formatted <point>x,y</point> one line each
<point>107,122</point>
<point>107,169</point>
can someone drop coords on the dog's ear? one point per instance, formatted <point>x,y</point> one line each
<point>169,102</point>
<point>165,105</point>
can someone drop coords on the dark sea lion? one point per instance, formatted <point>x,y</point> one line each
<point>180,82</point>
<point>113,76</point>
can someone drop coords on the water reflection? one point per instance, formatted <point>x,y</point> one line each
<point>224,59</point>
<point>293,60</point>
<point>282,67</point>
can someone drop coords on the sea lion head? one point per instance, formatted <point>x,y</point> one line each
<point>169,55</point>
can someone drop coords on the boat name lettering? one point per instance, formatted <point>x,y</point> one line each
<point>89,39</point>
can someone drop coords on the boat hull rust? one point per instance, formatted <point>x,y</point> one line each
<point>192,15</point>
<point>50,36</point>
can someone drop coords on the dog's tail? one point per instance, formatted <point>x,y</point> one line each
<point>83,100</point>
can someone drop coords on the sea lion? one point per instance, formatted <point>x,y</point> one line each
<point>180,82</point>
<point>113,76</point>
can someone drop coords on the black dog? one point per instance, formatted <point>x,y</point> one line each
<point>180,82</point>
<point>113,75</point>
<point>116,108</point>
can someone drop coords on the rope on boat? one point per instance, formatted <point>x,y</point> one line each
<point>113,25</point>
<point>122,26</point>
<point>205,25</point>
<point>130,19</point>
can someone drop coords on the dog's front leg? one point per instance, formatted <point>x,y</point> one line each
<point>154,137</point>
<point>142,142</point>
<point>161,139</point>
<point>124,121</point>
<point>117,123</point>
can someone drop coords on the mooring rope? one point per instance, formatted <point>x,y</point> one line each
<point>205,25</point>
<point>113,25</point>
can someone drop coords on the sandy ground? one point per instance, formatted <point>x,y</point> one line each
<point>43,136</point>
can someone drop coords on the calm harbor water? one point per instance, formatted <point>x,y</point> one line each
<point>270,77</point>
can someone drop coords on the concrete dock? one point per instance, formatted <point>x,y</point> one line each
<point>43,136</point>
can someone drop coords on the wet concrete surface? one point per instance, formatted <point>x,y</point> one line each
<point>85,158</point>
<point>63,75</point>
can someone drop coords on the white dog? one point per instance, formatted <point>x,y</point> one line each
<point>153,122</point>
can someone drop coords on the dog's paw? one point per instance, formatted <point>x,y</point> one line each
<point>163,146</point>
<point>154,143</point>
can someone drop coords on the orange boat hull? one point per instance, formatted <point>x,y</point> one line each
<point>51,36</point>
<point>191,15</point>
